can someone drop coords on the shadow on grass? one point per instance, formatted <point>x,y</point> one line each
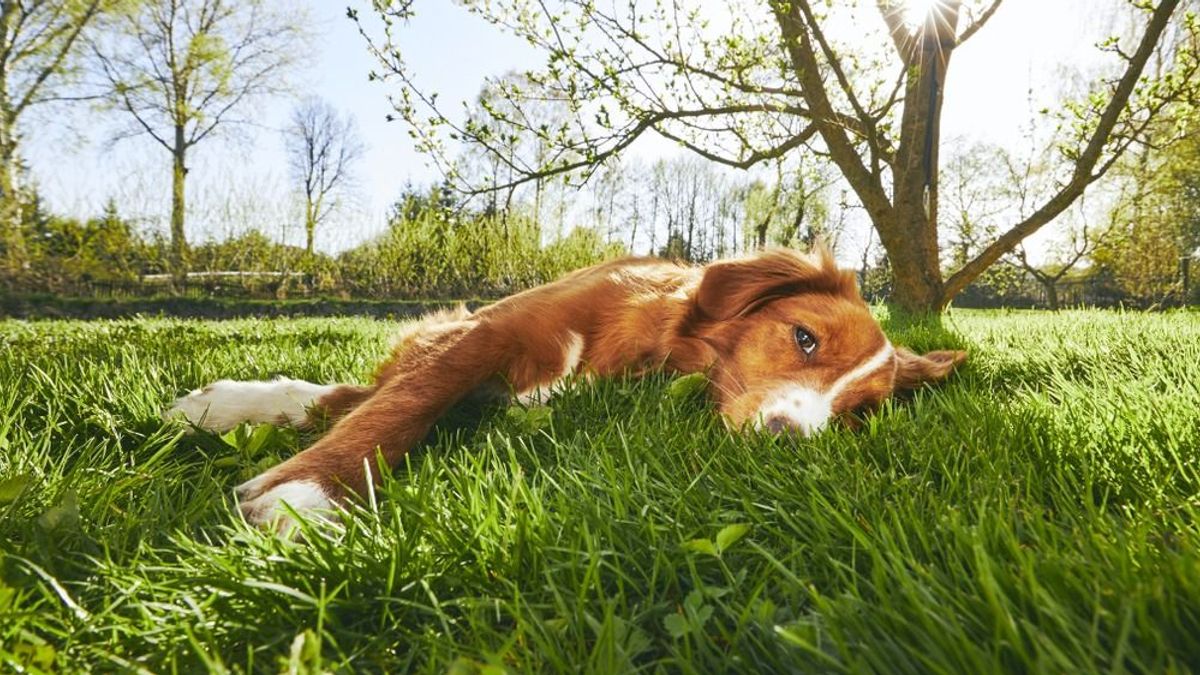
<point>920,332</point>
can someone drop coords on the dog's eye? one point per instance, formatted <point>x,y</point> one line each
<point>805,341</point>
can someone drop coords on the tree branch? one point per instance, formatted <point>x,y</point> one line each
<point>864,120</point>
<point>975,25</point>
<point>755,157</point>
<point>892,12</point>
<point>841,150</point>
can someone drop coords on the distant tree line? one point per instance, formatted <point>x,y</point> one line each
<point>437,246</point>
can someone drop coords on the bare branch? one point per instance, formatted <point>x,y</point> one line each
<point>978,23</point>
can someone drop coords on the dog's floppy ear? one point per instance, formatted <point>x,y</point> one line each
<point>733,287</point>
<point>914,370</point>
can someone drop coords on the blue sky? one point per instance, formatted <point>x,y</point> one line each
<point>77,170</point>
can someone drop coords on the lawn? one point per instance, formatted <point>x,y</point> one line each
<point>1037,513</point>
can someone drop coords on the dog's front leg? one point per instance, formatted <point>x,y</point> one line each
<point>389,424</point>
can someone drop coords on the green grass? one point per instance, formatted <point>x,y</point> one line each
<point>48,306</point>
<point>1038,513</point>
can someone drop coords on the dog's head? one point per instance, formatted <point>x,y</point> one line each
<point>796,345</point>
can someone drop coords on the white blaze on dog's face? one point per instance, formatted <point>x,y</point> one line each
<point>796,346</point>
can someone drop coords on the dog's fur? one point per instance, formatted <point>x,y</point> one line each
<point>735,320</point>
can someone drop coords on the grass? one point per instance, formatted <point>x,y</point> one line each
<point>47,306</point>
<point>1038,513</point>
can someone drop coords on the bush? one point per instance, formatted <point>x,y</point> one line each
<point>437,255</point>
<point>429,250</point>
<point>66,254</point>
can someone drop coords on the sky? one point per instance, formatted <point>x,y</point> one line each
<point>77,167</point>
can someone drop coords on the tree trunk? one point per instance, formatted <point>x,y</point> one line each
<point>916,276</point>
<point>10,199</point>
<point>633,230</point>
<point>1051,294</point>
<point>537,207</point>
<point>909,232</point>
<point>691,228</point>
<point>10,207</point>
<point>798,225</point>
<point>910,239</point>
<point>310,228</point>
<point>760,233</point>
<point>178,178</point>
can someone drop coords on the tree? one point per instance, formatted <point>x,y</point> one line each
<point>981,185</point>
<point>976,191</point>
<point>39,40</point>
<point>1143,259</point>
<point>322,148</point>
<point>1155,225</point>
<point>1079,244</point>
<point>792,207</point>
<point>768,80</point>
<point>184,69</point>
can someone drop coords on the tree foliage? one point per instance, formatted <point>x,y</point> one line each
<point>39,44</point>
<point>1154,238</point>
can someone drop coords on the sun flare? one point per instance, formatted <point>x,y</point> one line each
<point>917,11</point>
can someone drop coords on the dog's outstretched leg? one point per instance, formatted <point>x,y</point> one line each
<point>225,404</point>
<point>426,381</point>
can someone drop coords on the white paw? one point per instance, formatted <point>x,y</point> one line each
<point>267,507</point>
<point>225,404</point>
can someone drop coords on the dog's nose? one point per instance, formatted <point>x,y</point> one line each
<point>778,423</point>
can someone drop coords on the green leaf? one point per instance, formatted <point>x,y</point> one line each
<point>688,386</point>
<point>717,592</point>
<point>226,462</point>
<point>701,546</point>
<point>12,487</point>
<point>677,625</point>
<point>235,437</point>
<point>261,437</point>
<point>305,654</point>
<point>39,656</point>
<point>63,515</point>
<point>531,419</point>
<point>730,534</point>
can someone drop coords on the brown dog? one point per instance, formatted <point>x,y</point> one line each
<point>785,339</point>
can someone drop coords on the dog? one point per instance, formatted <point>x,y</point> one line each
<point>785,339</point>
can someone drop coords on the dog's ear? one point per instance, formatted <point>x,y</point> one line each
<point>914,370</point>
<point>733,287</point>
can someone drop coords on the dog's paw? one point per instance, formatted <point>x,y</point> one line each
<point>224,404</point>
<point>206,408</point>
<point>262,499</point>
